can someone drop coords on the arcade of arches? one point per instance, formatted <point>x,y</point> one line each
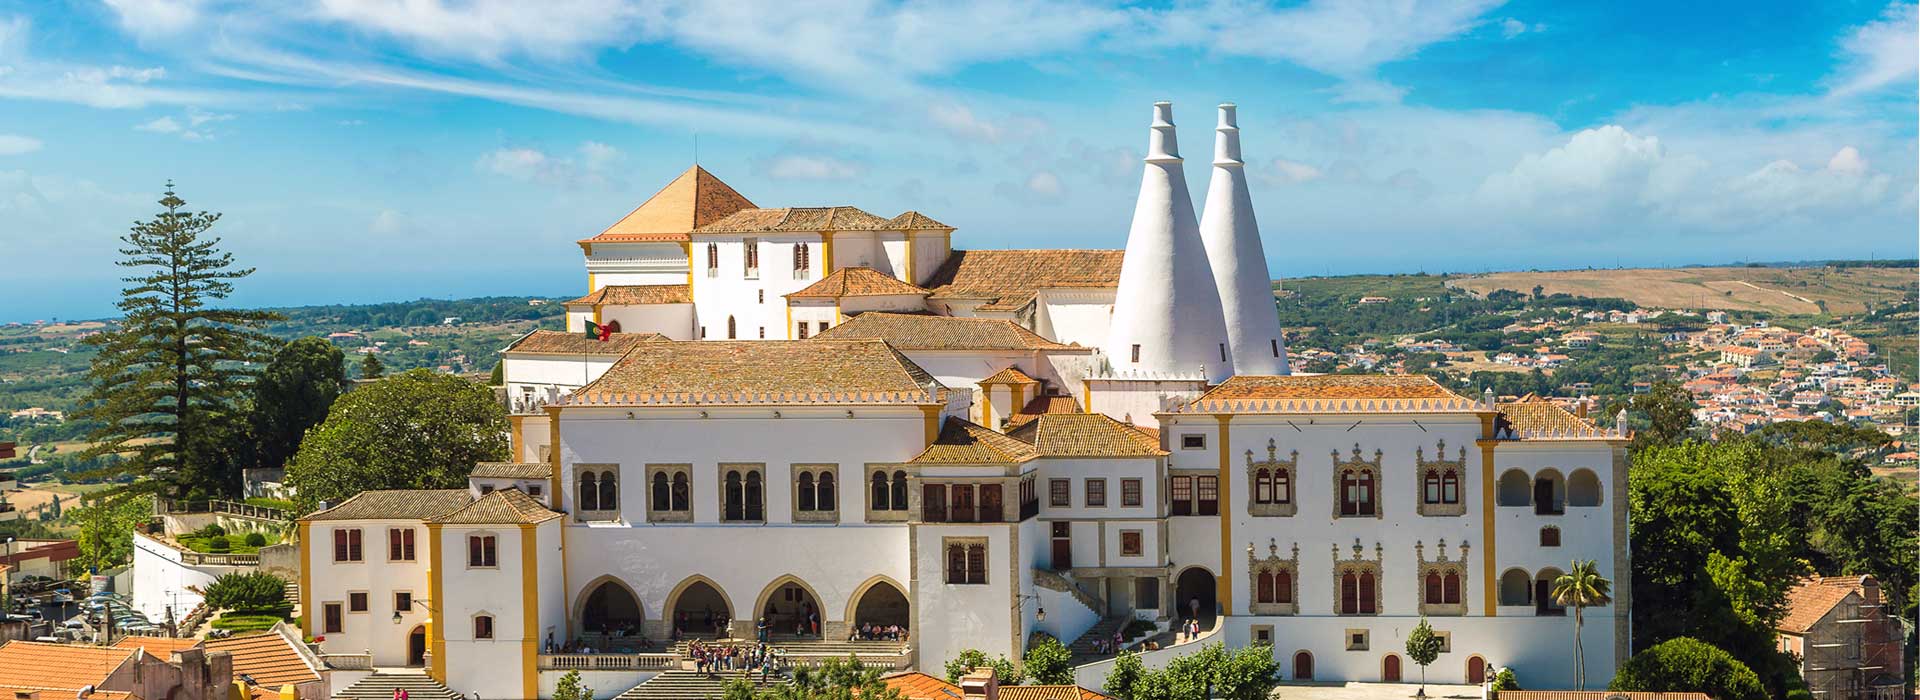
<point>699,609</point>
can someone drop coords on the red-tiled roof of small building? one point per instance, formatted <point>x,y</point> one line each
<point>576,344</point>
<point>1812,599</point>
<point>160,647</point>
<point>268,657</point>
<point>38,666</point>
<point>1044,404</point>
<point>927,332</point>
<point>1537,414</point>
<point>1329,386</point>
<point>694,199</point>
<point>1010,375</point>
<point>965,442</point>
<point>1008,279</point>
<point>399,504</point>
<point>636,294</point>
<point>915,685</point>
<point>915,221</point>
<point>1085,435</point>
<point>501,507</point>
<point>857,282</point>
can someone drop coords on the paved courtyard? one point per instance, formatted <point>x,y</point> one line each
<point>1372,691</point>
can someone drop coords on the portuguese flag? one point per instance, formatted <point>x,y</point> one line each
<point>598,332</point>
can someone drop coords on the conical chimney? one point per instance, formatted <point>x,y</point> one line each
<point>1166,313</point>
<point>1239,263</point>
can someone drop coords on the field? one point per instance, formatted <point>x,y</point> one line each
<point>1795,290</point>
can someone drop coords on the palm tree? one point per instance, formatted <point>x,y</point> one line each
<point>1578,589</point>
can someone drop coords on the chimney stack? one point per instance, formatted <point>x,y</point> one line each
<point>980,684</point>
<point>1239,261</point>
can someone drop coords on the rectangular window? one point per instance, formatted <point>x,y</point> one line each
<point>1130,492</point>
<point>333,618</point>
<point>803,330</point>
<point>823,326</point>
<point>1193,441</point>
<point>534,490</point>
<point>1130,543</point>
<point>403,601</point>
<point>483,627</point>
<point>1357,640</point>
<point>486,489</point>
<point>1209,494</point>
<point>966,562</point>
<point>400,544</point>
<point>1096,493</point>
<point>1136,352</point>
<point>482,551</point>
<point>933,503</point>
<point>1549,536</point>
<point>1180,491</point>
<point>1059,493</point>
<point>357,601</point>
<point>346,545</point>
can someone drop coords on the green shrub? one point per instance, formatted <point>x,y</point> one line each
<point>247,591</point>
<point>1504,680</point>
<point>211,530</point>
<point>1048,662</point>
<point>1140,628</point>
<point>1685,664</point>
<point>219,543</point>
<point>278,503</point>
<point>245,623</point>
<point>255,539</point>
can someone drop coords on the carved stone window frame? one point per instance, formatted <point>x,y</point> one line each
<point>1442,565</point>
<point>890,514</point>
<point>1273,464</point>
<point>1357,565</point>
<point>1273,563</point>
<point>1438,466</point>
<point>599,470</point>
<point>669,516</point>
<point>1359,464</point>
<point>967,543</point>
<point>818,514</point>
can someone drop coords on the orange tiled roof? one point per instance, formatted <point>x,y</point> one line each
<point>503,507</point>
<point>1044,404</point>
<point>1536,414</point>
<point>1048,692</point>
<point>399,504</point>
<point>764,372</point>
<point>161,647</point>
<point>924,332</point>
<point>1007,279</point>
<point>914,685</point>
<point>797,219</point>
<point>1599,695</point>
<point>1010,375</point>
<point>37,666</point>
<point>633,294</point>
<point>856,282</point>
<point>1330,386</point>
<point>1085,435</point>
<point>268,657</point>
<point>1812,599</point>
<point>694,199</point>
<point>512,470</point>
<point>965,442</point>
<point>565,343</point>
<point>915,221</point>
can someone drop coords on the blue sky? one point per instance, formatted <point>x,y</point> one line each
<point>372,150</point>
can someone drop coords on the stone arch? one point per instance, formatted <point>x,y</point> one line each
<point>1196,582</point>
<point>1543,592</point>
<point>587,592</point>
<point>1303,665</point>
<point>1476,669</point>
<point>1515,489</point>
<point>671,611</point>
<point>1583,489</point>
<point>1549,492</point>
<point>860,592</point>
<point>1516,587</point>
<point>784,621</point>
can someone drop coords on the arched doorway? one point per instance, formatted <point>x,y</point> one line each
<point>1476,670</point>
<point>880,603</point>
<point>1390,669</point>
<point>1302,666</point>
<point>610,610</point>
<point>1194,594</point>
<point>790,609</point>
<point>417,646</point>
<point>700,609</point>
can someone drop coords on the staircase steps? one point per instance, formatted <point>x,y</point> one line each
<point>835,647</point>
<point>1084,648</point>
<point>692,685</point>
<point>381,684</point>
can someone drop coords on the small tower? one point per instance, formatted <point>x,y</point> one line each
<point>1239,262</point>
<point>1166,312</point>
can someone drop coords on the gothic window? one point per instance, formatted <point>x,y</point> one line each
<point>899,500</point>
<point>1274,580</point>
<point>1440,481</point>
<point>1272,483</point>
<point>751,256</point>
<point>670,488</point>
<point>802,260</point>
<point>966,560</point>
<point>743,497</point>
<point>1357,485</point>
<point>814,497</point>
<point>880,491</point>
<point>1442,581</point>
<point>805,500</point>
<point>713,260</point>
<point>1356,582</point>
<point>589,491</point>
<point>661,496</point>
<point>733,329</point>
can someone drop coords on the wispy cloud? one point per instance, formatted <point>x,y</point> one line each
<point>809,167</point>
<point>15,144</point>
<point>1880,53</point>
<point>591,164</point>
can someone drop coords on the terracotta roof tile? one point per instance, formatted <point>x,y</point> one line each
<point>565,343</point>
<point>160,647</point>
<point>924,332</point>
<point>1085,435</point>
<point>694,199</point>
<point>268,657</point>
<point>33,665</point>
<point>797,219</point>
<point>1812,599</point>
<point>762,371</point>
<point>1010,375</point>
<point>1048,692</point>
<point>915,221</point>
<point>1330,386</point>
<point>914,685</point>
<point>965,442</point>
<point>512,470</point>
<point>635,294</point>
<point>1049,403</point>
<point>1007,279</point>
<point>503,507</point>
<point>1599,695</point>
<point>404,504</point>
<point>856,282</point>
<point>1535,414</point>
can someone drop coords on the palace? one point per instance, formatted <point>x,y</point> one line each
<point>819,420</point>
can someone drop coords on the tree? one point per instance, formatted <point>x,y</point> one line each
<point>1423,647</point>
<point>570,688</point>
<point>247,591</point>
<point>1048,662</point>
<point>371,367</point>
<point>293,394</point>
<point>969,659</point>
<point>1687,664</point>
<point>1668,409</point>
<point>1579,588</point>
<point>166,384</point>
<point>1125,674</point>
<point>414,430</point>
<point>1247,674</point>
<point>106,527</point>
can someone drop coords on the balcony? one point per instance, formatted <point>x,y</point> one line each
<point>966,514</point>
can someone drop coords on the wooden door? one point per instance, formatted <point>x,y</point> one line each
<point>1062,546</point>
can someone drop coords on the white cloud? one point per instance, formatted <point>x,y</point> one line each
<point>1288,172</point>
<point>15,144</point>
<point>1045,184</point>
<point>163,125</point>
<point>810,167</point>
<point>197,127</point>
<point>152,18</point>
<point>595,165</point>
<point>491,29</point>
<point>1880,52</point>
<point>1510,28</point>
<point>958,120</point>
<point>388,221</point>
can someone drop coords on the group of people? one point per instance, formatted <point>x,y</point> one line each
<point>711,658</point>
<point>807,623</point>
<point>868,632</point>
<point>583,646</point>
<point>715,622</point>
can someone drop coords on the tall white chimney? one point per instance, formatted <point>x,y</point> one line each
<point>1166,313</point>
<point>1239,263</point>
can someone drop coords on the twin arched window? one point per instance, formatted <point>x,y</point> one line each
<point>1273,587</point>
<point>744,499</point>
<point>599,490</point>
<point>670,493</point>
<point>1443,589</point>
<point>1272,485</point>
<point>1357,593</point>
<point>713,259</point>
<point>889,494</point>
<point>815,492</point>
<point>1441,486</point>
<point>802,260</point>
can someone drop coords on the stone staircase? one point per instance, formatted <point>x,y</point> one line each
<point>811,646</point>
<point>691,685</point>
<point>1055,581</point>
<point>1083,648</point>
<point>381,684</point>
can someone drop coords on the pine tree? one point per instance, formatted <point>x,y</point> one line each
<point>168,385</point>
<point>372,368</point>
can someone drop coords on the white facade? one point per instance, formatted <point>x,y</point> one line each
<point>1239,262</point>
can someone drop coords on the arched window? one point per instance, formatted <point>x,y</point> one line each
<point>899,500</point>
<point>1450,486</point>
<point>1263,486</point>
<point>827,500</point>
<point>1264,592</point>
<point>1516,588</point>
<point>1367,591</point>
<point>1514,488</point>
<point>1430,491</point>
<point>802,260</point>
<point>713,259</point>
<point>1583,489</point>
<point>662,498</point>
<point>1283,587</point>
<point>733,329</point>
<point>609,490</point>
<point>880,491</point>
<point>755,498</point>
<point>956,563</point>
<point>682,491</point>
<point>1357,493</point>
<point>735,500</point>
<point>1434,596</point>
<point>805,497</point>
<point>1349,594</point>
<point>589,491</point>
<point>1282,486</point>
<point>1450,589</point>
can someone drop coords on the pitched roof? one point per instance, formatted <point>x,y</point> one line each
<point>512,470</point>
<point>38,666</point>
<point>694,199</point>
<point>1085,435</point>
<point>503,507</point>
<point>633,294</point>
<point>915,685</point>
<point>1043,404</point>
<point>924,332</point>
<point>965,442</point>
<point>268,657</point>
<point>400,504</point>
<point>797,219</point>
<point>856,282</point>
<point>565,343</point>
<point>1330,386</point>
<point>1048,692</point>
<point>1010,375</point>
<point>1599,695</point>
<point>915,221</point>
<point>160,647</point>
<point>1008,279</point>
<point>762,371</point>
<point>1532,413</point>
<point>1812,599</point>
